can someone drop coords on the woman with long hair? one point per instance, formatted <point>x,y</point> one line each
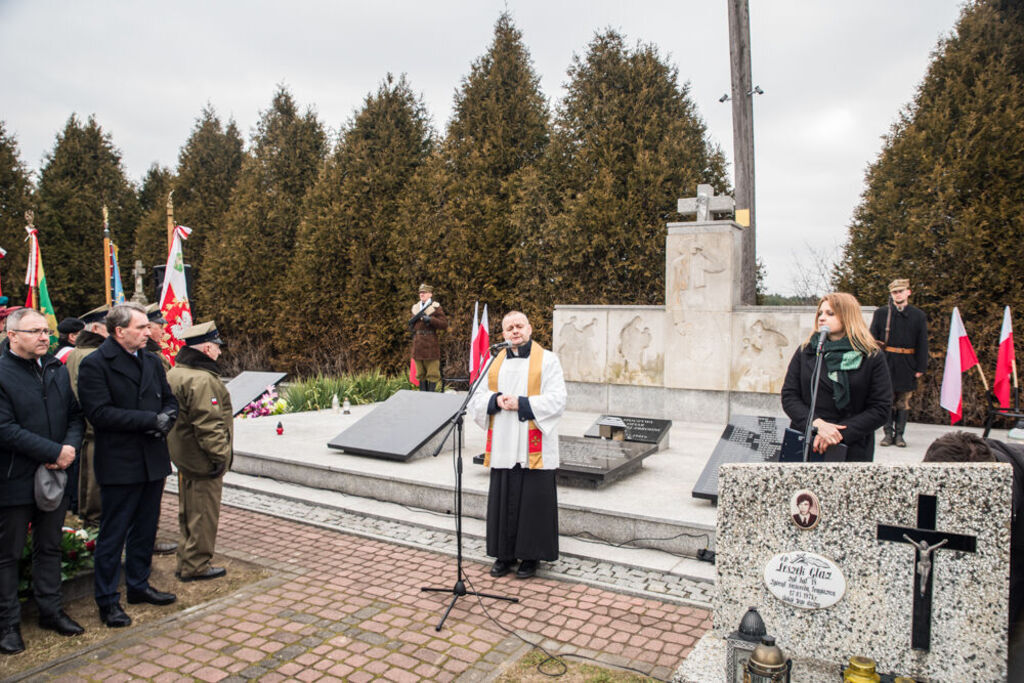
<point>854,391</point>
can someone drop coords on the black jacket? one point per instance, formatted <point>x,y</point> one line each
<point>38,416</point>
<point>121,395</point>
<point>869,407</point>
<point>908,329</point>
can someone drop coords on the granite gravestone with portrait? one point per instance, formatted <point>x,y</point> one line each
<point>892,562</point>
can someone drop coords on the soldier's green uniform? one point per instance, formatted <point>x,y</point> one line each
<point>89,505</point>
<point>201,447</point>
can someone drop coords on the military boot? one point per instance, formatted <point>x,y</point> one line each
<point>426,386</point>
<point>901,425</point>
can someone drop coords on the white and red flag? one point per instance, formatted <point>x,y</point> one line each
<point>174,304</point>
<point>960,358</point>
<point>479,344</point>
<point>1005,362</point>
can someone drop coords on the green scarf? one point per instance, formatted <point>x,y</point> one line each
<point>840,358</point>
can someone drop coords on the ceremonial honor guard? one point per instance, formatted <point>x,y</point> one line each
<point>87,341</point>
<point>520,410</point>
<point>427,318</point>
<point>902,330</point>
<point>200,445</point>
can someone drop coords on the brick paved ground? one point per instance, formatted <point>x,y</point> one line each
<point>344,607</point>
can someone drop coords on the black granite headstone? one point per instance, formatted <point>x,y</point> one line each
<point>747,438</point>
<point>249,386</point>
<point>593,464</point>
<point>404,426</point>
<point>639,429</point>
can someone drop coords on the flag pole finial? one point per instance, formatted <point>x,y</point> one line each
<point>30,217</point>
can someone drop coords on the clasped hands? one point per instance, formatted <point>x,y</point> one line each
<point>506,402</point>
<point>164,422</point>
<point>828,435</point>
<point>64,460</point>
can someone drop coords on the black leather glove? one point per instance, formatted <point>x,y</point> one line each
<point>426,319</point>
<point>164,422</point>
<point>218,469</point>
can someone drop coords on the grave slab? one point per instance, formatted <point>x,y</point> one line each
<point>408,425</point>
<point>638,429</point>
<point>249,386</point>
<point>861,510</point>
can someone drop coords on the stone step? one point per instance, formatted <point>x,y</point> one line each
<point>642,571</point>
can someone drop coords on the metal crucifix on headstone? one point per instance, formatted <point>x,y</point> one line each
<point>926,541</point>
<point>706,204</point>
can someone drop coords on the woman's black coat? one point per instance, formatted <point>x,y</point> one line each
<point>869,407</point>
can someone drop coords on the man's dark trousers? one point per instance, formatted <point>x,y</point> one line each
<point>46,527</point>
<point>130,511</point>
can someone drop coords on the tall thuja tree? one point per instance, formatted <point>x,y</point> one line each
<point>497,135</point>
<point>15,200</point>
<point>246,261</point>
<point>343,283</point>
<point>628,142</point>
<point>151,233</point>
<point>209,165</point>
<point>81,174</point>
<point>942,201</point>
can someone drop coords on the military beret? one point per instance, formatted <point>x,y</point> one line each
<point>154,314</point>
<point>426,288</point>
<point>96,315</point>
<point>901,283</point>
<point>201,333</point>
<point>70,326</point>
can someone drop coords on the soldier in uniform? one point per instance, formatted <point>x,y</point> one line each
<point>156,334</point>
<point>427,318</point>
<point>200,445</point>
<point>87,341</point>
<point>902,330</point>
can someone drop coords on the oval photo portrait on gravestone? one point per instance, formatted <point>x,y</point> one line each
<point>805,509</point>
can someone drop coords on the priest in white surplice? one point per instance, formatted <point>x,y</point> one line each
<point>519,404</point>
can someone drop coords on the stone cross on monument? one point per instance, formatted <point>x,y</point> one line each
<point>706,204</point>
<point>925,539</point>
<point>139,296</point>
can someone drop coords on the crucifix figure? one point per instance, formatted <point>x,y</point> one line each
<point>706,204</point>
<point>924,558</point>
<point>930,540</point>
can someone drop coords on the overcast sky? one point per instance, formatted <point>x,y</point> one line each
<point>835,76</point>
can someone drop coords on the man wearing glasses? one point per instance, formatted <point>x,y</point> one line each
<point>125,395</point>
<point>40,424</point>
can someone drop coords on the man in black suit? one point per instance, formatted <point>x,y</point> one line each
<point>40,424</point>
<point>125,395</point>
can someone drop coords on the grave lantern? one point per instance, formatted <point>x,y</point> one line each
<point>767,664</point>
<point>741,642</point>
<point>612,428</point>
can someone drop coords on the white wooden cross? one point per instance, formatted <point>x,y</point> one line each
<point>706,204</point>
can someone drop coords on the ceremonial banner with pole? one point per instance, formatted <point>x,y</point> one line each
<point>111,273</point>
<point>3,252</point>
<point>174,304</point>
<point>38,293</point>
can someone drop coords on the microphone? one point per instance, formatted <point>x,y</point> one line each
<point>501,345</point>
<point>822,336</point>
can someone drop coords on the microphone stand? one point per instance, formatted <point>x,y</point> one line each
<point>815,377</point>
<point>456,424</point>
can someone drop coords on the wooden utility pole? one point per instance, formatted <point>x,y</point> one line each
<point>743,139</point>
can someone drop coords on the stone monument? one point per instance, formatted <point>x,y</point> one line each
<point>703,355</point>
<point>905,564</point>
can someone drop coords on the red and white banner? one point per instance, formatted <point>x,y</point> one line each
<point>174,304</point>
<point>960,358</point>
<point>1005,362</point>
<point>413,380</point>
<point>479,344</point>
